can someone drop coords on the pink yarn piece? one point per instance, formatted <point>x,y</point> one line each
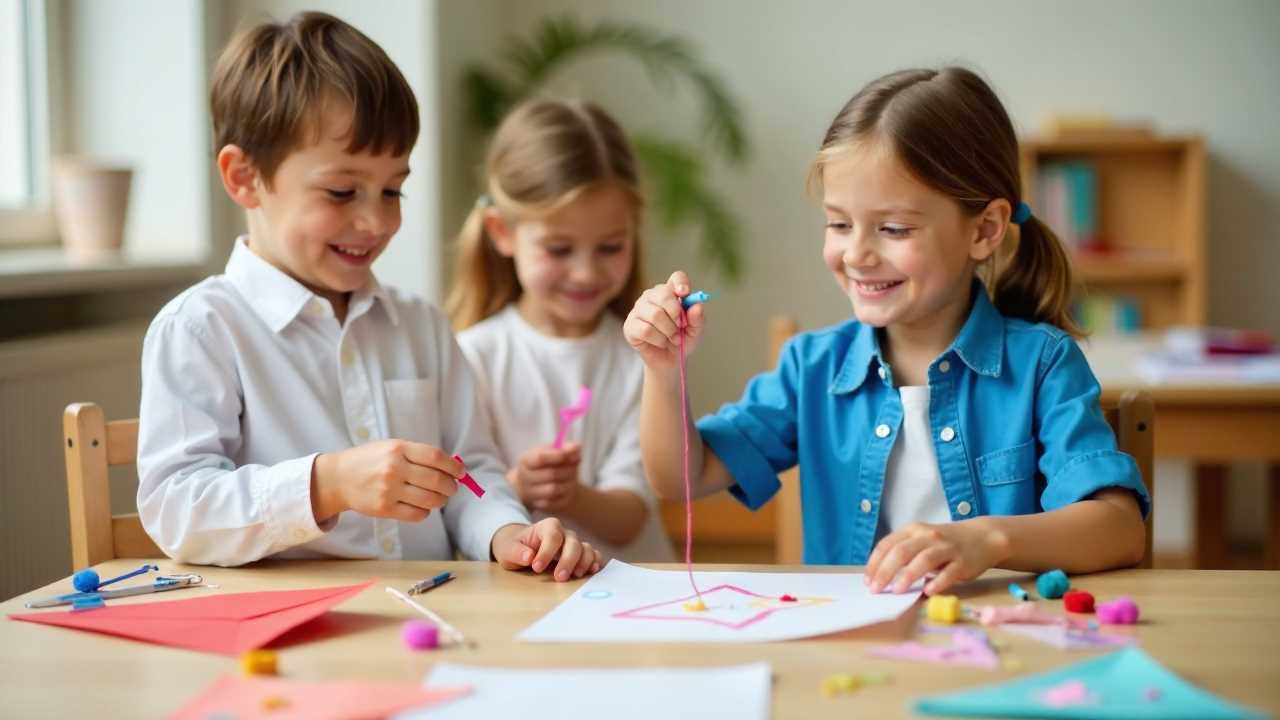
<point>1071,692</point>
<point>1121,611</point>
<point>688,490</point>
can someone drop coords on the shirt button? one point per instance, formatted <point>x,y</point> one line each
<point>882,373</point>
<point>947,434</point>
<point>362,433</point>
<point>865,505</point>
<point>882,431</point>
<point>347,358</point>
<point>964,508</point>
<point>944,366</point>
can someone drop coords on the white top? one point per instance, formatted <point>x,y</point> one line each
<point>247,376</point>
<point>912,483</point>
<point>527,377</point>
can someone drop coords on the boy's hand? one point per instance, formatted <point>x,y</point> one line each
<point>390,478</point>
<point>546,478</point>
<point>653,325</point>
<point>537,547</point>
<point>956,552</point>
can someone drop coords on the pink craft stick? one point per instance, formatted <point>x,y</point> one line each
<point>569,413</point>
<point>469,481</point>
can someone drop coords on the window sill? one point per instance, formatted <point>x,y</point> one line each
<point>38,272</point>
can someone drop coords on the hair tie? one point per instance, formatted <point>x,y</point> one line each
<point>1022,213</point>
<point>484,200</point>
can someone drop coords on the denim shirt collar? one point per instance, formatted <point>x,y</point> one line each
<point>980,345</point>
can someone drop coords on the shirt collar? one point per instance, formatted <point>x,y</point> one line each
<point>278,299</point>
<point>980,345</point>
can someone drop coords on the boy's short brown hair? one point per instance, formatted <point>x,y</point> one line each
<point>273,80</point>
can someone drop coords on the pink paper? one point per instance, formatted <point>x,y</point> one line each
<point>280,699</point>
<point>967,647</point>
<point>1066,638</point>
<point>225,624</point>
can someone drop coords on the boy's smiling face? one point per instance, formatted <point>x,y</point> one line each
<point>326,214</point>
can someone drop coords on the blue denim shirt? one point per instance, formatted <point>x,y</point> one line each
<point>1013,410</point>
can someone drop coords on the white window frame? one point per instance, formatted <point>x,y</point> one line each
<point>34,224</point>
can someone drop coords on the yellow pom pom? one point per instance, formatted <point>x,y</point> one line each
<point>258,662</point>
<point>943,609</point>
<point>695,606</point>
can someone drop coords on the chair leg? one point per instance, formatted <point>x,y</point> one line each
<point>1210,517</point>
<point>1273,526</point>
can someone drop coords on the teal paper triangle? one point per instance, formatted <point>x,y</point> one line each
<point>1120,683</point>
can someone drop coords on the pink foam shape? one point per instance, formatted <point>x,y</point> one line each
<point>569,413</point>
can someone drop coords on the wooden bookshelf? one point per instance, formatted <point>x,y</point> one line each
<point>1151,199</point>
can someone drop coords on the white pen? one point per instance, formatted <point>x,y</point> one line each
<point>454,634</point>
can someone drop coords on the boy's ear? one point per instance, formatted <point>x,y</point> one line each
<point>239,176</point>
<point>503,234</point>
<point>992,223</point>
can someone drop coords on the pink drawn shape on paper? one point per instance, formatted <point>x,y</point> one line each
<point>569,413</point>
<point>967,647</point>
<point>259,696</point>
<point>469,481</point>
<point>1067,694</point>
<point>1067,638</point>
<point>762,602</point>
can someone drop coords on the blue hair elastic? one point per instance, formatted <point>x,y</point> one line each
<point>1022,213</point>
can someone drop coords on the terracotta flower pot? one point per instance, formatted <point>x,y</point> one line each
<point>90,201</point>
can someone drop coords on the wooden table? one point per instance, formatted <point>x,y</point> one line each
<point>1212,426</point>
<point>1214,628</point>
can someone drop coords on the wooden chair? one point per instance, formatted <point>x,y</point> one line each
<point>1133,421</point>
<point>92,444</point>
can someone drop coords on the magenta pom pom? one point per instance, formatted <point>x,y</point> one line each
<point>420,635</point>
<point>1121,611</point>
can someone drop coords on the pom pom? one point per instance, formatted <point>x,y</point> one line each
<point>420,635</point>
<point>259,662</point>
<point>85,581</point>
<point>1078,601</point>
<point>1121,611</point>
<point>1052,584</point>
<point>943,609</point>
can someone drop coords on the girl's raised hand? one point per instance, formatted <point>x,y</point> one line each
<point>653,326</point>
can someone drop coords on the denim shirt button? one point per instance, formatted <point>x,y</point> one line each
<point>964,508</point>
<point>944,366</point>
<point>948,434</point>
<point>865,505</point>
<point>882,431</point>
<point>882,372</point>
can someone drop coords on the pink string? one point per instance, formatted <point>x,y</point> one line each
<point>688,491</point>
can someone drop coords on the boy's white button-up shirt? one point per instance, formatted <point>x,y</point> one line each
<point>247,376</point>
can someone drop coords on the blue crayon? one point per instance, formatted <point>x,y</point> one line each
<point>695,298</point>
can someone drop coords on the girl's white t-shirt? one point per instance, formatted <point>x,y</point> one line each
<point>912,482</point>
<point>524,377</point>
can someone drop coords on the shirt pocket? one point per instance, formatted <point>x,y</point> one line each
<point>412,412</point>
<point>1008,479</point>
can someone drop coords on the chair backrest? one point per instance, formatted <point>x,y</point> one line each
<point>91,445</point>
<point>1132,420</point>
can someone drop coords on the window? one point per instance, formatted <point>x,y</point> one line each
<point>24,127</point>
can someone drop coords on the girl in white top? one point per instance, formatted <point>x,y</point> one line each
<point>548,264</point>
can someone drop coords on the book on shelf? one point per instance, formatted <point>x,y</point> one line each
<point>1067,202</point>
<point>1211,355</point>
<point>1108,314</point>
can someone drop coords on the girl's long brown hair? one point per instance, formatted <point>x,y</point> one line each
<point>545,154</point>
<point>949,129</point>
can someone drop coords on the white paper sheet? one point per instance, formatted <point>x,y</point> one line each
<point>625,603</point>
<point>734,693</point>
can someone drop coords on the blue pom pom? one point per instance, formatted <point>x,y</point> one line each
<point>85,581</point>
<point>1053,584</point>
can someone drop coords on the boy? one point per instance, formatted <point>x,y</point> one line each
<point>293,407</point>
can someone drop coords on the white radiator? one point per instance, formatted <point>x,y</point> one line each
<point>38,379</point>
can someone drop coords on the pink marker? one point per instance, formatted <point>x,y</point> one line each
<point>569,413</point>
<point>469,481</point>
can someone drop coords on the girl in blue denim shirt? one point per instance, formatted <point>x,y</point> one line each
<point>952,425</point>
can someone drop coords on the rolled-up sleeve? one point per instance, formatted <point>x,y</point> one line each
<point>192,499</point>
<point>1078,454</point>
<point>756,437</point>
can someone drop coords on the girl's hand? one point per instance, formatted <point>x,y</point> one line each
<point>654,324</point>
<point>394,479</point>
<point>537,547</point>
<point>954,552</point>
<point>545,478</point>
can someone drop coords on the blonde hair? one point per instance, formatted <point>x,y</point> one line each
<point>949,129</point>
<point>547,153</point>
<point>272,81</point>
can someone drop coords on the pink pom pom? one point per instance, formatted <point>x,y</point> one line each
<point>420,635</point>
<point>1121,611</point>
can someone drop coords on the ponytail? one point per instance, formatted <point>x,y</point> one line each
<point>484,281</point>
<point>1034,282</point>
